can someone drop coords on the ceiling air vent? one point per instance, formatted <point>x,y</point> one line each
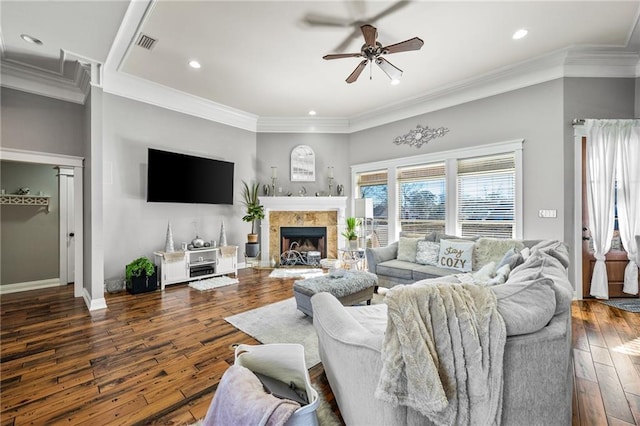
<point>146,42</point>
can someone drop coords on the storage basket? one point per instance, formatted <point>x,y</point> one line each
<point>285,362</point>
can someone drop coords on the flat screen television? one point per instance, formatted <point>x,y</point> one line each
<point>181,178</point>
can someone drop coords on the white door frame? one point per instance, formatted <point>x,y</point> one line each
<point>578,133</point>
<point>76,164</point>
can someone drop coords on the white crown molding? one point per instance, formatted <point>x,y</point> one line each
<point>122,84</point>
<point>16,76</point>
<point>302,125</point>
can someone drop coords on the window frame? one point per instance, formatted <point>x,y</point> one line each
<point>450,158</point>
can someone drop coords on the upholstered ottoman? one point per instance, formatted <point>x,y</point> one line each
<point>350,288</point>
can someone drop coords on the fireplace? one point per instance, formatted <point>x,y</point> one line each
<point>304,212</point>
<point>302,245</point>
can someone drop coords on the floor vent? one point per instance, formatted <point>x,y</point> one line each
<point>146,42</point>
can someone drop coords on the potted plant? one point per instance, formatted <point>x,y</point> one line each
<point>255,211</point>
<point>141,276</point>
<point>350,233</point>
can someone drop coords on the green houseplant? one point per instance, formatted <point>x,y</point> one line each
<point>141,276</point>
<point>254,211</point>
<point>350,232</point>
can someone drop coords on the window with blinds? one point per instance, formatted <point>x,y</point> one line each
<point>486,196</point>
<point>422,198</point>
<point>374,185</point>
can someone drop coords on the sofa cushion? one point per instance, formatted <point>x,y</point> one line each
<point>407,248</point>
<point>556,249</point>
<point>543,265</point>
<point>526,306</point>
<point>397,269</point>
<point>423,272</point>
<point>492,250</point>
<point>456,255</point>
<point>428,252</point>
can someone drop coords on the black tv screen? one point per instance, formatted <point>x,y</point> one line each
<point>181,178</point>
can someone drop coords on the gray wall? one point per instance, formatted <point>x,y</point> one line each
<point>637,95</point>
<point>533,114</point>
<point>30,250</point>
<point>133,227</point>
<point>37,123</point>
<point>274,149</point>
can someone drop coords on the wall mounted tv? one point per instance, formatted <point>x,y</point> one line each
<point>181,178</point>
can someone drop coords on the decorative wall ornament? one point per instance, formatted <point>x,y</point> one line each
<point>420,135</point>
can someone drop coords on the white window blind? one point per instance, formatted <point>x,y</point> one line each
<point>486,196</point>
<point>374,185</point>
<point>421,198</point>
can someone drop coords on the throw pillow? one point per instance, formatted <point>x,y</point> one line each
<point>427,253</point>
<point>407,249</point>
<point>493,250</point>
<point>456,255</point>
<point>484,274</point>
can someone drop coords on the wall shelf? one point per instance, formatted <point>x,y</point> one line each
<point>25,200</point>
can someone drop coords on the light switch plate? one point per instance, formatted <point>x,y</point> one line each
<point>548,213</point>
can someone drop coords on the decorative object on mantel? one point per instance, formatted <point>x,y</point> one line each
<point>420,135</point>
<point>330,178</point>
<point>24,191</point>
<point>168,245</point>
<point>340,189</point>
<point>274,179</point>
<point>303,164</point>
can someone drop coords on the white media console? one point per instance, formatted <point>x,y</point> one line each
<point>189,265</point>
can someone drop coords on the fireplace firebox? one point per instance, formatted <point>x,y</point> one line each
<point>302,245</point>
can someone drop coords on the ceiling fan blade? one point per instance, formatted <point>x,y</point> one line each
<point>415,43</point>
<point>369,32</point>
<point>394,7</point>
<point>356,73</point>
<point>389,69</point>
<point>320,20</point>
<point>341,55</point>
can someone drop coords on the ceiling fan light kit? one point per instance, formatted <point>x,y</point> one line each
<point>372,51</point>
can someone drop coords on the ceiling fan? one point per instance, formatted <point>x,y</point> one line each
<point>372,51</point>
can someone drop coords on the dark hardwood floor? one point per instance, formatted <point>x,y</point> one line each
<point>157,358</point>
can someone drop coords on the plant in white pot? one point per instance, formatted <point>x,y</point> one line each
<point>351,233</point>
<point>254,212</point>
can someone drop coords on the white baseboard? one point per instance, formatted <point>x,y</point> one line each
<point>30,285</point>
<point>93,304</point>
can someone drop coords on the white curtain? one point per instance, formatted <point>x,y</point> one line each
<point>628,175</point>
<point>602,142</point>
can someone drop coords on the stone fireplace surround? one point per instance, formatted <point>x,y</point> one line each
<point>301,211</point>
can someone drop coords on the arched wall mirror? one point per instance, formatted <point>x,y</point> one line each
<point>303,164</point>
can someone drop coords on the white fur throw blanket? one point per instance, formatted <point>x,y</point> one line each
<point>442,353</point>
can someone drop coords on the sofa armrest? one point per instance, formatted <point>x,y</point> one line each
<point>377,255</point>
<point>350,354</point>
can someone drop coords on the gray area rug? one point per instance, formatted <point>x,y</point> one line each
<point>629,305</point>
<point>280,322</point>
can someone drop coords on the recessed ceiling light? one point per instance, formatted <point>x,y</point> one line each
<point>194,64</point>
<point>521,33</point>
<point>395,82</point>
<point>30,39</point>
<point>312,112</point>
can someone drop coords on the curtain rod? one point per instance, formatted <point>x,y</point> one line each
<point>580,121</point>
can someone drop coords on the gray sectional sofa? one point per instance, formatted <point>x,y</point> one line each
<point>384,262</point>
<point>535,303</point>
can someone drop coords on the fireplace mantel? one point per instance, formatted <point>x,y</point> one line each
<point>302,205</point>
